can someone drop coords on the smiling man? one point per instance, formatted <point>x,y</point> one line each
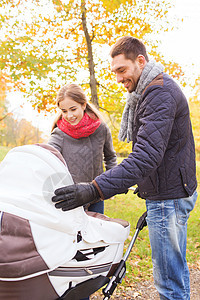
<point>128,68</point>
<point>156,120</point>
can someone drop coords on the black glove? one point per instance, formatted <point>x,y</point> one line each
<point>75,195</point>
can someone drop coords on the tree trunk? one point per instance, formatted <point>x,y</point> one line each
<point>93,86</point>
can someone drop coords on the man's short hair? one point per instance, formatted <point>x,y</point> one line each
<point>129,46</point>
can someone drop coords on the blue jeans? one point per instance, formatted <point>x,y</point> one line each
<point>97,207</point>
<point>167,225</point>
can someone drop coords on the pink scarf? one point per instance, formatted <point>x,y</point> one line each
<point>84,128</point>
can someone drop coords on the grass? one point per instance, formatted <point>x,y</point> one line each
<point>129,207</point>
<point>3,152</point>
<point>193,249</point>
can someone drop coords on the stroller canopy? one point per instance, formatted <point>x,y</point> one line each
<point>46,237</point>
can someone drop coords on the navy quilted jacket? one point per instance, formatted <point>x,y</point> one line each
<point>162,162</point>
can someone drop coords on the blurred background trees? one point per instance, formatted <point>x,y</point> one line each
<point>46,43</point>
<point>15,132</point>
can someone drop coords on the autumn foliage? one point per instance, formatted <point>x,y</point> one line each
<point>46,43</point>
<point>194,104</point>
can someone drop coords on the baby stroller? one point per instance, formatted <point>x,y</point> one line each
<point>48,254</point>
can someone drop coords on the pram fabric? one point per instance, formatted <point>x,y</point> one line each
<point>42,244</point>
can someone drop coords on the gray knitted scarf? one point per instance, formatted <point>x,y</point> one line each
<point>150,71</point>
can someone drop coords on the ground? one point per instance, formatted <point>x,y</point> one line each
<point>144,290</point>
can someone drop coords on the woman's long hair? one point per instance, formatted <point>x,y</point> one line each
<point>76,93</point>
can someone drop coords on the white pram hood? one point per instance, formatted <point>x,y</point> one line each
<point>28,177</point>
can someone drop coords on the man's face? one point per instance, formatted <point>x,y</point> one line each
<point>127,71</point>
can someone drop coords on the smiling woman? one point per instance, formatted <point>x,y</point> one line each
<point>82,137</point>
<point>76,115</point>
<point>72,111</point>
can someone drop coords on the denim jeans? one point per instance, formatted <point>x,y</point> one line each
<point>97,207</point>
<point>167,225</point>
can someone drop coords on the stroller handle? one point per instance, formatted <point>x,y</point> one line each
<point>142,221</point>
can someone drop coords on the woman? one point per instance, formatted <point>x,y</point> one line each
<point>82,137</point>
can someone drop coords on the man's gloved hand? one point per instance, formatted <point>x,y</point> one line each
<point>75,195</point>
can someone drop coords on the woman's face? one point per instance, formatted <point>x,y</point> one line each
<point>72,111</point>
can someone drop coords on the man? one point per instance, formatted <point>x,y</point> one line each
<point>162,163</point>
